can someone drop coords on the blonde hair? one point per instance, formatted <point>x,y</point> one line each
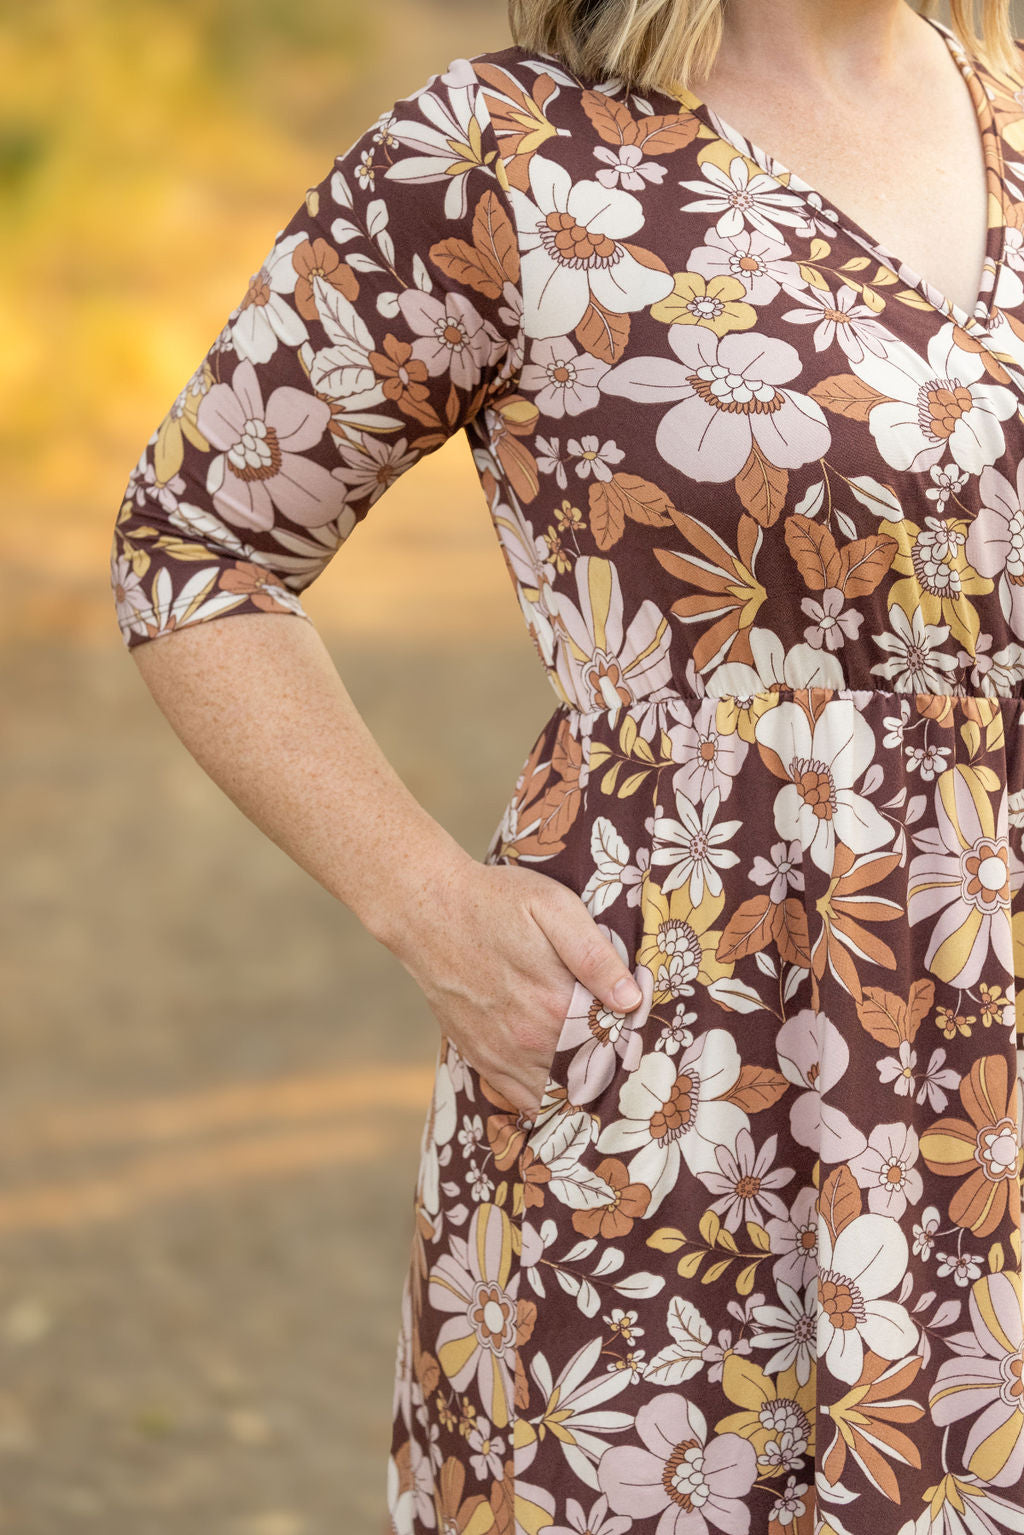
<point>666,44</point>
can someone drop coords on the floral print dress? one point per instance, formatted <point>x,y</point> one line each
<point>759,486</point>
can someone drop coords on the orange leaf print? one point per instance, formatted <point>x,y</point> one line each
<point>664,135</point>
<point>603,334</point>
<point>864,562</point>
<point>840,1200</point>
<point>891,1020</point>
<point>492,259</point>
<point>626,495</point>
<point>607,515</point>
<point>643,501</point>
<point>465,265</point>
<point>749,929</point>
<point>814,550</point>
<point>792,938</point>
<point>761,486</point>
<point>755,1088</point>
<point>845,395</point>
<point>613,121</point>
<point>495,239</point>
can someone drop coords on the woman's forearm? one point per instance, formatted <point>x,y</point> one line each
<point>258,702</point>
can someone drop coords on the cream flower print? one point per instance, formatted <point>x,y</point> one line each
<point>447,139</point>
<point>743,197</point>
<point>572,234</point>
<point>601,664</point>
<point>437,1132</point>
<point>266,319</point>
<point>573,1410</point>
<point>863,1266</point>
<point>840,319</point>
<point>820,803</point>
<point>937,404</point>
<point>669,1116</point>
<point>688,845</point>
<point>727,396</point>
<point>790,1330</point>
<point>129,592</point>
<point>915,661</point>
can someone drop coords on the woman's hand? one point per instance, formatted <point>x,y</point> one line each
<point>496,950</point>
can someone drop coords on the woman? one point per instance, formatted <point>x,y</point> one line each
<point>718,1212</point>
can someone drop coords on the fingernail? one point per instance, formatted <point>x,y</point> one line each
<point>627,993</point>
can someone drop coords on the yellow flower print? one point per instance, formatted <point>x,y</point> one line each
<point>569,516</point>
<point>778,1415</point>
<point>938,580</point>
<point>717,303</point>
<point>679,942</point>
<point>953,1023</point>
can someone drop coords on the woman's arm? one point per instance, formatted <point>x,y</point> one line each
<point>258,702</point>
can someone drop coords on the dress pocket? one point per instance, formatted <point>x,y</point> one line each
<point>573,1030</point>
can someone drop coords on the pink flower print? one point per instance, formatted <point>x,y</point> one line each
<point>708,758</point>
<point>371,466</point>
<point>129,592</point>
<point>782,872</point>
<point>603,1041</point>
<point>755,259</point>
<point>795,1238</point>
<point>985,1382</point>
<point>474,1282</point>
<point>594,457</point>
<point>565,381</point>
<point>451,336</point>
<point>626,167</point>
<point>814,1055</point>
<point>690,1484</point>
<point>963,880</point>
<point>995,540</point>
<point>886,1169</point>
<point>841,318</point>
<point>730,399</point>
<point>261,468</point>
<point>746,1180</point>
<point>597,1522</point>
<point>831,626</point>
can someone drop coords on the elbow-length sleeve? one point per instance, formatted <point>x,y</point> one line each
<point>385,317</point>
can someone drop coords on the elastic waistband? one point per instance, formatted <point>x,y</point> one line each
<point>983,704</point>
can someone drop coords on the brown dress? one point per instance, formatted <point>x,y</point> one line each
<point>760,491</point>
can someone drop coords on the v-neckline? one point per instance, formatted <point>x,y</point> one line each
<point>997,213</point>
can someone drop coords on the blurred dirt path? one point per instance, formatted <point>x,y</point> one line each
<point>213,1088</point>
